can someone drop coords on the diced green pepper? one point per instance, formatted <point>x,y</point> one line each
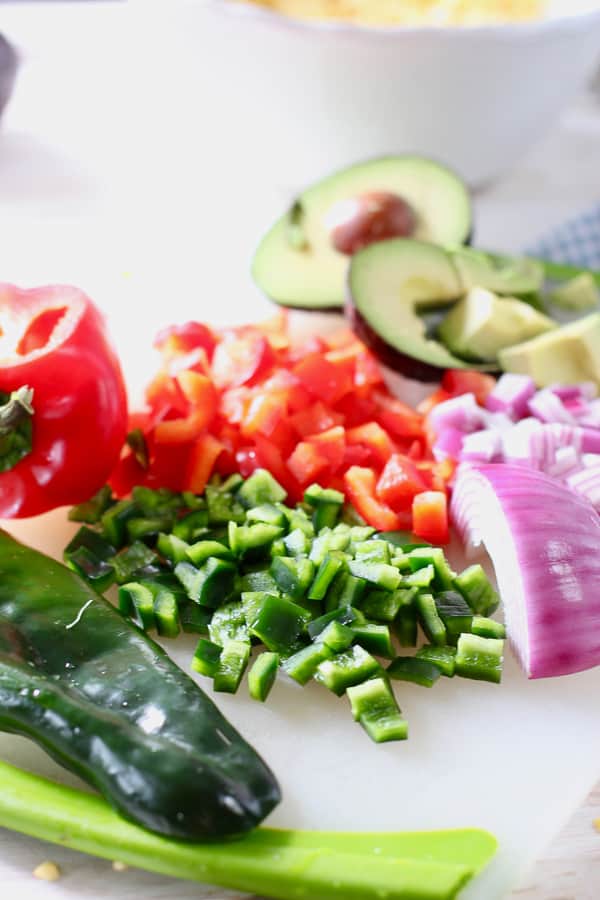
<point>477,590</point>
<point>345,590</point>
<point>279,624</point>
<point>430,620</point>
<point>258,581</point>
<point>172,547</point>
<point>252,539</point>
<point>262,674</point>
<point>455,613</point>
<point>488,628</point>
<point>336,636</point>
<point>420,578</point>
<point>130,560</point>
<point>360,533</point>
<point>232,483</point>
<point>374,638</point>
<point>347,615</point>
<point>114,521</point>
<point>480,658</point>
<point>143,528</point>
<point>292,576</point>
<point>297,543</point>
<point>260,488</point>
<point>297,518</point>
<point>325,575</point>
<point>316,495</point>
<point>410,668</point>
<point>209,585</point>
<point>442,657</point>
<point>92,510</point>
<point>434,556</point>
<point>194,618</point>
<point>192,526</point>
<point>223,507</point>
<point>381,575</point>
<point>278,548</point>
<point>268,514</point>
<point>99,573</point>
<point>373,551</point>
<point>231,667</point>
<point>166,614</point>
<point>303,664</point>
<point>373,705</point>
<point>384,606</point>
<point>347,669</point>
<point>206,658</point>
<point>405,540</point>
<point>405,625</point>
<point>157,503</point>
<point>229,624</point>
<point>137,602</point>
<point>98,546</point>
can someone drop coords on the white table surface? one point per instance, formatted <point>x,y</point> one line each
<point>107,181</point>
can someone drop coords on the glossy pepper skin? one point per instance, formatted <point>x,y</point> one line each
<point>107,703</point>
<point>53,340</point>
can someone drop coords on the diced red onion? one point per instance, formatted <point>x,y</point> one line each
<point>461,413</point>
<point>587,483</point>
<point>448,443</point>
<point>548,407</point>
<point>591,416</point>
<point>544,541</point>
<point>585,390</point>
<point>590,459</point>
<point>516,443</point>
<point>482,446</point>
<point>590,440</point>
<point>567,461</point>
<point>511,395</point>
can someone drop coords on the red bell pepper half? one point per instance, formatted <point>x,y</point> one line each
<point>63,406</point>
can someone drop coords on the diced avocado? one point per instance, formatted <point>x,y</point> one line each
<point>482,324</point>
<point>390,284</point>
<point>508,275</point>
<point>567,354</point>
<point>296,263</point>
<point>579,293</point>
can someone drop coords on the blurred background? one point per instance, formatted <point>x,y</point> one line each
<point>148,144</point>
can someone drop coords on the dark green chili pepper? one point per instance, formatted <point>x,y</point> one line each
<point>107,702</point>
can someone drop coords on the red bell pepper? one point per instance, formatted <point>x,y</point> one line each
<point>360,488</point>
<point>63,417</point>
<point>430,517</point>
<point>399,482</point>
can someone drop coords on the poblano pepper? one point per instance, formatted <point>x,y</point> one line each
<point>107,703</point>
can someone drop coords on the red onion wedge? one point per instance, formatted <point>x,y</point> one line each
<point>544,541</point>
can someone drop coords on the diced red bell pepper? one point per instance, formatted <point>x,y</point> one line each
<point>307,462</point>
<point>323,378</point>
<point>396,417</point>
<point>234,402</point>
<point>360,489</point>
<point>315,419</point>
<point>202,458</point>
<point>332,444</point>
<point>372,436</point>
<point>468,381</point>
<point>355,409</point>
<point>126,474</point>
<point>202,397</point>
<point>399,482</point>
<point>164,396</point>
<point>366,370</point>
<point>430,517</point>
<point>313,345</point>
<point>356,455</point>
<point>243,360</point>
<point>262,413</point>
<point>177,340</point>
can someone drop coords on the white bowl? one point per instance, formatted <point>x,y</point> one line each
<point>303,98</point>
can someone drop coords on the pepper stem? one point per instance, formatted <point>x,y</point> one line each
<point>16,413</point>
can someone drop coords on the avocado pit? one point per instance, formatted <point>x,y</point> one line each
<point>357,222</point>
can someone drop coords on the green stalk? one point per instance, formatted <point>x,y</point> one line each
<point>275,863</point>
<point>555,271</point>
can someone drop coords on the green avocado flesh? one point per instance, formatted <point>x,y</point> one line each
<point>566,355</point>
<point>392,282</point>
<point>510,275</point>
<point>296,263</point>
<point>482,324</point>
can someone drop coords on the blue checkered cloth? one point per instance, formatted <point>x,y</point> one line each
<point>576,242</point>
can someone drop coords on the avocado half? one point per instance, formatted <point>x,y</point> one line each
<point>392,282</point>
<point>296,264</point>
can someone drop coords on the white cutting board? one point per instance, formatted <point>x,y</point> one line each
<point>155,234</point>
